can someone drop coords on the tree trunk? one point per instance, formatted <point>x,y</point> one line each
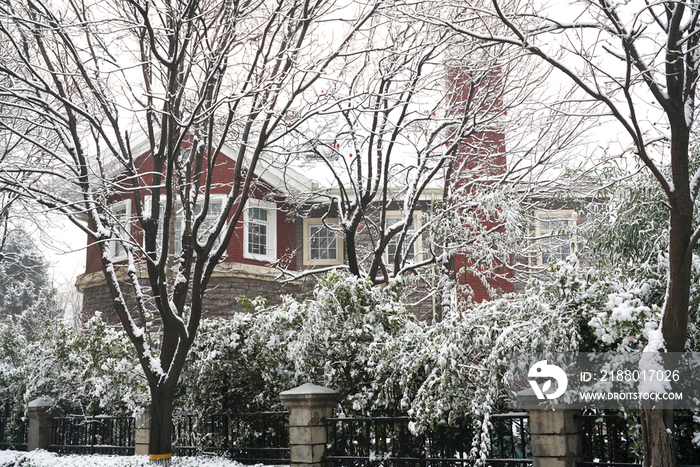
<point>674,325</point>
<point>658,437</point>
<point>160,441</point>
<point>658,428</point>
<point>351,250</point>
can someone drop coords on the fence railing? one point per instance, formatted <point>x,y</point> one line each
<point>13,431</point>
<point>607,439</point>
<point>93,435</point>
<point>388,442</point>
<point>247,438</point>
<point>613,440</point>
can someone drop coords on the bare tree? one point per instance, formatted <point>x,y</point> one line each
<point>6,201</point>
<point>82,81</point>
<point>12,151</point>
<point>638,62</point>
<point>418,140</point>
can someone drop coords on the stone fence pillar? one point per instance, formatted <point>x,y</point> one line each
<point>309,405</point>
<point>555,432</point>
<point>39,418</point>
<point>143,432</point>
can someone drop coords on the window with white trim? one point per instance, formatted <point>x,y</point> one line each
<point>209,222</point>
<point>410,250</point>
<point>260,230</point>
<point>323,244</point>
<point>121,212</point>
<point>207,225</point>
<point>555,231</point>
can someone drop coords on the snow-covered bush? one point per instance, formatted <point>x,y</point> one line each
<point>348,337</point>
<point>625,239</point>
<point>464,359</point>
<point>343,338</point>
<point>15,353</point>
<point>94,369</point>
<point>229,371</point>
<point>611,312</point>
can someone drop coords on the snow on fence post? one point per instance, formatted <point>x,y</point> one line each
<point>555,432</point>
<point>40,418</point>
<point>143,432</point>
<point>309,406</point>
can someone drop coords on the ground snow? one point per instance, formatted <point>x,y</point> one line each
<point>49,459</point>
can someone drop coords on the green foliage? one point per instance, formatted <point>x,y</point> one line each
<point>223,374</point>
<point>360,340</point>
<point>349,333</point>
<point>630,227</point>
<point>87,371</point>
<point>625,240</point>
<point>15,354</point>
<point>25,288</point>
<point>340,339</point>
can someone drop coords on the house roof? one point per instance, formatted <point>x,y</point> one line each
<point>282,178</point>
<point>294,173</point>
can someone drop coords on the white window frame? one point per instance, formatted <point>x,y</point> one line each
<point>333,226</point>
<point>124,225</point>
<point>417,245</point>
<point>213,199</point>
<point>178,212</point>
<point>271,223</point>
<point>568,215</point>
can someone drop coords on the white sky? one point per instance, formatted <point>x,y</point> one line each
<point>63,245</point>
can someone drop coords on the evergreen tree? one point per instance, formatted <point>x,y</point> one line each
<point>26,291</point>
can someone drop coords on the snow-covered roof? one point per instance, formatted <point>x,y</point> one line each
<point>282,178</point>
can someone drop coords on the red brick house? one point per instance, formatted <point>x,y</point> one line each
<point>271,237</point>
<point>267,238</point>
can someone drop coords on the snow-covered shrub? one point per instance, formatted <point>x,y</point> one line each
<point>343,339</point>
<point>617,308</point>
<point>625,237</point>
<point>348,338</point>
<point>463,359</point>
<point>94,369</point>
<point>15,353</point>
<point>229,371</point>
<point>612,312</point>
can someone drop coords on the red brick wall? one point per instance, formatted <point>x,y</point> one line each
<point>502,279</point>
<point>482,154</point>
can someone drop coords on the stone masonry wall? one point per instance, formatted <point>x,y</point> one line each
<point>219,301</point>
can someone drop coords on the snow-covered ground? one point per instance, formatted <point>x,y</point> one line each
<point>48,459</point>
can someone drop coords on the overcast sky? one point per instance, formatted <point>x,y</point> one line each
<point>63,245</point>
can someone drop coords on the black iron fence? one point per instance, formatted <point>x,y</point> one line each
<point>608,439</point>
<point>93,435</point>
<point>615,440</point>
<point>388,442</point>
<point>13,431</point>
<point>248,438</point>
